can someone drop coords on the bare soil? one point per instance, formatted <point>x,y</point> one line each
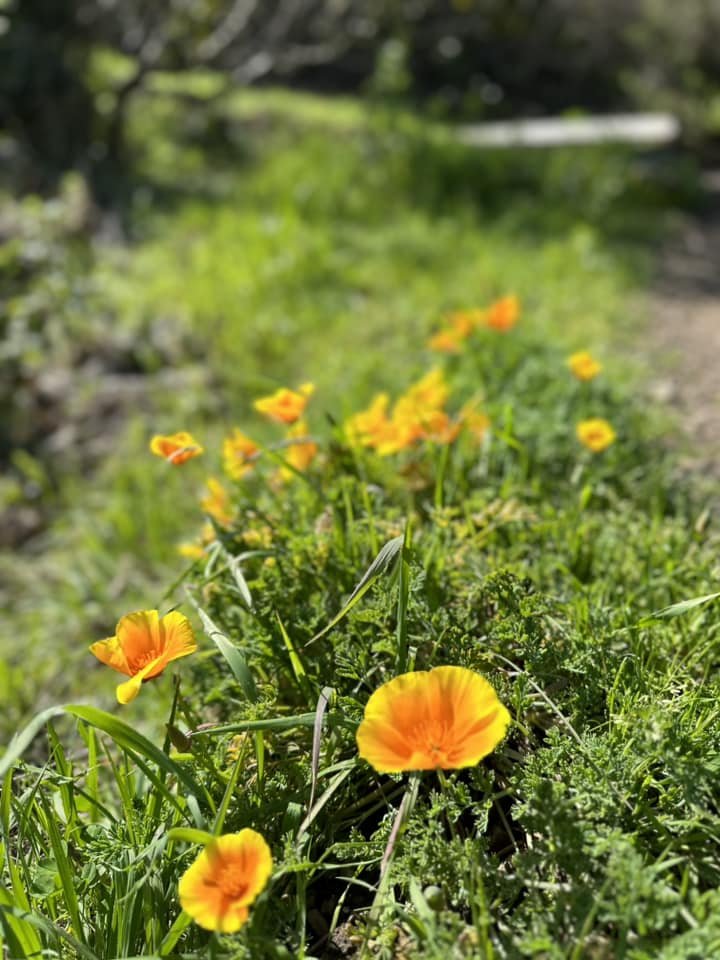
<point>685,328</point>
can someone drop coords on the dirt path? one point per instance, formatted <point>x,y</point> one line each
<point>685,326</point>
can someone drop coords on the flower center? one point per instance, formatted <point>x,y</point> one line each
<point>137,663</point>
<point>233,881</point>
<point>432,738</point>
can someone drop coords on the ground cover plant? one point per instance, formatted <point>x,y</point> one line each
<point>261,229</point>
<point>462,523</point>
<point>495,498</point>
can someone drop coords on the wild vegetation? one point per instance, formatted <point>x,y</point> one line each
<point>466,520</point>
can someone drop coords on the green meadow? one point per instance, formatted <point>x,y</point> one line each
<point>264,241</point>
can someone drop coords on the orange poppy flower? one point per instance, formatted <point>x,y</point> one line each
<point>175,448</point>
<point>503,314</point>
<point>445,718</point>
<point>239,453</point>
<point>596,434</point>
<point>226,878</point>
<point>583,365</point>
<point>143,645</point>
<point>285,406</point>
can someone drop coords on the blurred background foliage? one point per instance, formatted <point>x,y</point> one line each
<point>71,71</point>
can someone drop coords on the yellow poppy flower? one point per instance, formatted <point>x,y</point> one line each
<point>502,315</point>
<point>363,428</point>
<point>285,406</point>
<point>239,453</point>
<point>191,551</point>
<point>175,448</point>
<point>229,874</point>
<point>445,718</point>
<point>583,365</point>
<point>428,393</point>
<point>299,454</point>
<point>143,645</point>
<point>596,434</point>
<point>396,435</point>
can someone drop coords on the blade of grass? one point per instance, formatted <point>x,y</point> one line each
<point>233,657</point>
<point>130,740</point>
<point>403,595</point>
<point>53,930</point>
<point>295,661</point>
<point>64,868</point>
<point>380,565</point>
<point>324,699</point>
<point>271,723</point>
<point>678,609</point>
<point>20,937</point>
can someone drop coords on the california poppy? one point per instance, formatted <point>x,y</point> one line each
<point>216,503</point>
<point>175,448</point>
<point>217,889</point>
<point>444,718</point>
<point>239,454</point>
<point>583,365</point>
<point>143,645</point>
<point>285,406</point>
<point>596,434</point>
<point>300,452</point>
<point>503,314</point>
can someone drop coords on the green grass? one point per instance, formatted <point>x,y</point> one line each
<point>288,251</point>
<point>324,243</point>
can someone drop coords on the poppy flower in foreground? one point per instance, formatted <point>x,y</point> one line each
<point>226,878</point>
<point>596,434</point>
<point>285,406</point>
<point>583,365</point>
<point>143,645</point>
<point>175,448</point>
<point>445,718</point>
